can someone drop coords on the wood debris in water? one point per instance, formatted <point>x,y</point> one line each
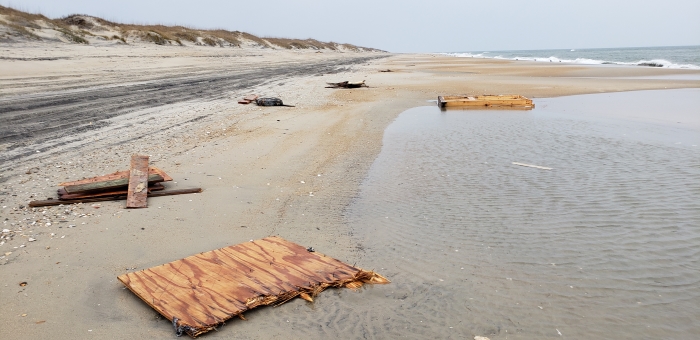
<point>200,292</point>
<point>532,166</point>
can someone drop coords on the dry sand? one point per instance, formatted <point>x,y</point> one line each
<point>265,171</point>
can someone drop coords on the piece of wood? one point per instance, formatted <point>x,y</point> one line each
<point>62,195</point>
<point>117,175</point>
<point>487,100</point>
<point>107,185</point>
<point>202,291</point>
<point>532,166</point>
<point>47,203</point>
<point>137,196</point>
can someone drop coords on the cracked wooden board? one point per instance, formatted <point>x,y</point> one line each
<point>199,292</point>
<point>137,196</point>
<point>118,175</point>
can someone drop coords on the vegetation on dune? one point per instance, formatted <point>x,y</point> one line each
<point>76,27</point>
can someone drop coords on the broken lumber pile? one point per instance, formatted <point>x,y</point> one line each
<point>200,292</point>
<point>346,85</point>
<point>134,185</point>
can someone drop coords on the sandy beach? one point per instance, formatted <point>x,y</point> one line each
<point>71,111</point>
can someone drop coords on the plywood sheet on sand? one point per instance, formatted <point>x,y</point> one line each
<point>201,291</point>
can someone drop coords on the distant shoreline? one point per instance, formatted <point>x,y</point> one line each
<point>675,57</point>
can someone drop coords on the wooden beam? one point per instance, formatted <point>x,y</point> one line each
<point>47,203</point>
<point>138,182</point>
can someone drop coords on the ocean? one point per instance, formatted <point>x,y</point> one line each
<point>682,57</point>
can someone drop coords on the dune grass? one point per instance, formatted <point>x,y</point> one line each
<point>77,27</point>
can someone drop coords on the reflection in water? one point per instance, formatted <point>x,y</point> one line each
<point>605,245</point>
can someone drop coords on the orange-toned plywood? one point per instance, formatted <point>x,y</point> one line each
<point>117,175</point>
<point>199,292</point>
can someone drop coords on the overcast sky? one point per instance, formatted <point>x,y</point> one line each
<point>414,25</point>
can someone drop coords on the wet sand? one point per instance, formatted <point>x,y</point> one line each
<point>259,168</point>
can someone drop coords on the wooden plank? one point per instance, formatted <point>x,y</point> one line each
<point>107,185</point>
<point>200,292</point>
<point>65,196</point>
<point>117,175</point>
<point>486,101</point>
<point>137,196</point>
<point>47,203</point>
<point>532,166</point>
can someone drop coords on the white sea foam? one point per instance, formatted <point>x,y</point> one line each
<point>553,59</point>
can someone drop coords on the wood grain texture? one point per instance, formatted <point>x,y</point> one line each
<point>62,195</point>
<point>106,185</point>
<point>199,292</point>
<point>117,175</point>
<point>47,203</point>
<point>137,195</point>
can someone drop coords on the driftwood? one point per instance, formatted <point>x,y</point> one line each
<point>202,291</point>
<point>346,85</point>
<point>46,203</point>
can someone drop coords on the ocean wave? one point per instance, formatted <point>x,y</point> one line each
<point>663,63</point>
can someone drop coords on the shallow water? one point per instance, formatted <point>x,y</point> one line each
<point>604,245</point>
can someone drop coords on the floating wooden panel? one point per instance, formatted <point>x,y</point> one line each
<point>199,292</point>
<point>487,100</point>
<point>137,196</point>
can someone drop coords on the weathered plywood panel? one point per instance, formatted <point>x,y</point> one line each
<point>511,100</point>
<point>199,292</point>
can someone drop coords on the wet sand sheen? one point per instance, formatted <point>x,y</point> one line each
<point>605,244</point>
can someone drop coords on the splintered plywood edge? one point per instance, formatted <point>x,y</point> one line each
<point>199,292</point>
<point>137,194</point>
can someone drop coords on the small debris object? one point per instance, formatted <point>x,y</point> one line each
<point>248,99</point>
<point>23,283</point>
<point>200,292</point>
<point>387,70</point>
<point>486,100</point>
<point>346,85</point>
<point>532,166</point>
<point>270,101</point>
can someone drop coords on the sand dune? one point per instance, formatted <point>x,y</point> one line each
<point>18,26</point>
